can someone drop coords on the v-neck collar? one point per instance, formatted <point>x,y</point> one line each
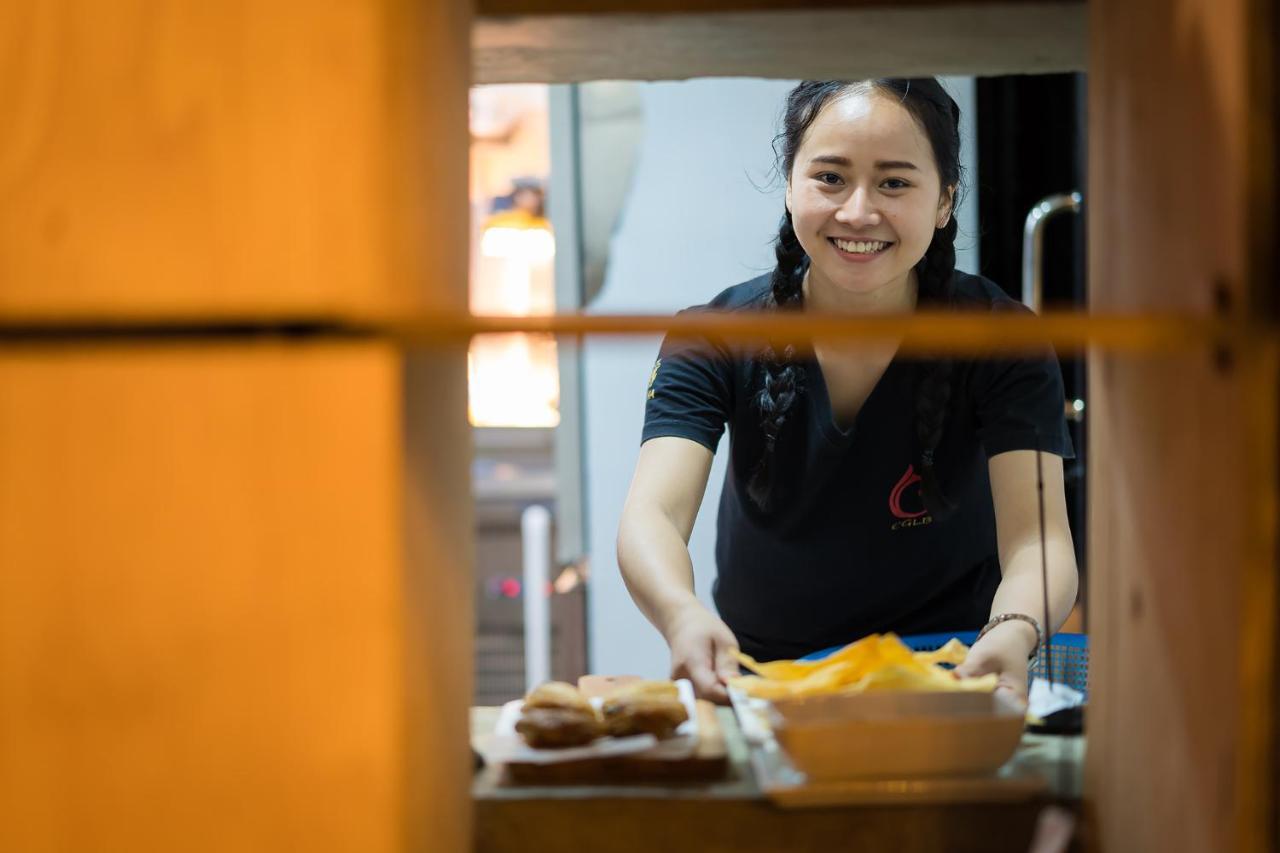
<point>820,399</point>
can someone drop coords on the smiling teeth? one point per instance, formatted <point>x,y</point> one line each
<point>859,247</point>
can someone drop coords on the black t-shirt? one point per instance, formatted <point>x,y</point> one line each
<point>848,548</point>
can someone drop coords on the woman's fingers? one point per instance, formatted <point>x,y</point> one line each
<point>726,660</point>
<point>706,683</point>
<point>1012,678</point>
<point>697,667</point>
<point>718,655</point>
<point>1011,691</point>
<point>972,668</point>
<point>702,650</point>
<point>716,693</point>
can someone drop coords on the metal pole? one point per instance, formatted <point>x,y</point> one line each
<point>535,540</point>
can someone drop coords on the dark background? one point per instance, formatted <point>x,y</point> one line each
<point>1032,144</point>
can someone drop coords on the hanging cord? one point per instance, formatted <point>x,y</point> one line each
<point>1044,569</point>
<point>1065,721</point>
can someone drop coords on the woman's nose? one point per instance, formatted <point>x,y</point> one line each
<point>859,210</point>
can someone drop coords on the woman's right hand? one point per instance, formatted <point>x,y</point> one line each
<point>702,650</point>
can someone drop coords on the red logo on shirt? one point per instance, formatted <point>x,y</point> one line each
<point>895,497</point>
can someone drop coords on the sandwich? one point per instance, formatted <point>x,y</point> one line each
<point>644,707</point>
<point>555,715</point>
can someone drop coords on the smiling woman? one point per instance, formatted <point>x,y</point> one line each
<point>866,183</point>
<point>866,491</point>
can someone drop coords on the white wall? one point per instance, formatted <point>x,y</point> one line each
<point>701,215</point>
<point>964,91</point>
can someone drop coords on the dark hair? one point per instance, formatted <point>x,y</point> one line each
<point>939,116</point>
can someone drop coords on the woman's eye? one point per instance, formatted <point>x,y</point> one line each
<point>895,184</point>
<point>831,179</point>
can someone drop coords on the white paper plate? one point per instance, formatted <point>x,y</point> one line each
<point>505,746</point>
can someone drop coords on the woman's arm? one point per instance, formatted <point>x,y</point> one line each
<point>653,554</point>
<point>1005,648</point>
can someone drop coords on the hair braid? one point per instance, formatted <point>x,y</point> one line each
<point>784,378</point>
<point>934,273</point>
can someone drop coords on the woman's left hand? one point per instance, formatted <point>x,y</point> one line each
<point>1003,650</point>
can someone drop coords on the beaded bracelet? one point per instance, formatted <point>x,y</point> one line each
<point>1021,617</point>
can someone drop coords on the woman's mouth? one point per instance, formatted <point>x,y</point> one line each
<point>859,249</point>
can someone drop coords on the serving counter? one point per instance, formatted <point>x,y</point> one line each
<point>735,815</point>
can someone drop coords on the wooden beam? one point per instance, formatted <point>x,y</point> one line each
<point>235,576</point>
<point>508,8</point>
<point>439,598</point>
<point>201,599</point>
<point>854,41</point>
<point>162,158</point>
<point>1182,471</point>
<point>919,332</point>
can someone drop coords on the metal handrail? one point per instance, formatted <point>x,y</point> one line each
<point>1033,244</point>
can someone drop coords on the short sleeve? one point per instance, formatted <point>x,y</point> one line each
<point>690,391</point>
<point>1019,404</point>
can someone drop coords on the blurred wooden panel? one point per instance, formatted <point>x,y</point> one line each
<point>439,599</point>
<point>1183,449</point>
<point>496,8</point>
<point>1157,249</point>
<point>207,637</point>
<point>169,158</point>
<point>1178,486</point>
<point>657,41</point>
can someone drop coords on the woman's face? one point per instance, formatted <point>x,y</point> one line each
<point>864,194</point>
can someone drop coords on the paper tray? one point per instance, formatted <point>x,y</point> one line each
<point>874,749</point>
<point>505,746</point>
<point>787,787</point>
<point>898,734</point>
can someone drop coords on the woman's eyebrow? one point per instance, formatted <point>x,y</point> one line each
<point>881,165</point>
<point>885,165</point>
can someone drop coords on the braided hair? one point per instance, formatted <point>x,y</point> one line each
<point>783,378</point>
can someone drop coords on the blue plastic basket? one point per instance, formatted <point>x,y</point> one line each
<point>1070,655</point>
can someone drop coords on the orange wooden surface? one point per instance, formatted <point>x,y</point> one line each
<point>234,590</point>
<point>1178,489</point>
<point>1182,467</point>
<point>201,159</point>
<point>916,332</point>
<point>923,331</point>
<point>439,599</point>
<point>202,642</point>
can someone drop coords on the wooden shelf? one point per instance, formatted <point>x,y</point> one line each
<point>949,332</point>
<point>500,8</point>
<point>519,41</point>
